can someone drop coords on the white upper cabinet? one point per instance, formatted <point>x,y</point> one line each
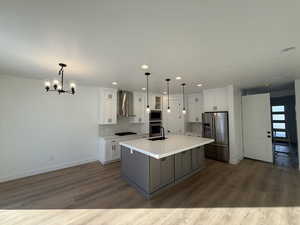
<point>155,101</point>
<point>139,107</point>
<point>195,108</point>
<point>215,99</point>
<point>107,106</point>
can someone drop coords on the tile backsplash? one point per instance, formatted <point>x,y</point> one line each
<point>123,125</point>
<point>194,128</point>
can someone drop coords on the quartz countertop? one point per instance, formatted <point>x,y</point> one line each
<point>162,148</point>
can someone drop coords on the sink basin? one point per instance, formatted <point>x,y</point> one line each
<point>157,139</point>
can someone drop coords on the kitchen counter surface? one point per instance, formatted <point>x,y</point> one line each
<point>162,148</point>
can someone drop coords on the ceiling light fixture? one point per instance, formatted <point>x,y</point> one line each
<point>143,89</point>
<point>114,83</point>
<point>144,67</point>
<point>178,78</point>
<point>168,91</point>
<point>147,74</point>
<point>59,86</point>
<point>199,85</point>
<point>183,99</point>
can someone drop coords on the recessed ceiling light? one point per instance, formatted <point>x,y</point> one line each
<point>164,92</point>
<point>178,78</point>
<point>114,83</point>
<point>144,89</point>
<point>144,67</point>
<point>199,85</point>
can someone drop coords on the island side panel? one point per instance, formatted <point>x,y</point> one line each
<point>135,168</point>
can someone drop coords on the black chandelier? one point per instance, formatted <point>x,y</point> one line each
<point>59,85</point>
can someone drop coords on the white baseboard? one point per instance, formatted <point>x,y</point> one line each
<point>45,170</point>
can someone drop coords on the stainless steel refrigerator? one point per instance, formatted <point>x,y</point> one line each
<point>215,125</point>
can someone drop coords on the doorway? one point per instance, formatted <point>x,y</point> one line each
<point>284,131</point>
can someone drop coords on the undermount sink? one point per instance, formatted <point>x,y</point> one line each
<point>157,139</point>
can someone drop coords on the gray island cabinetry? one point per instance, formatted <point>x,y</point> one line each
<point>152,171</point>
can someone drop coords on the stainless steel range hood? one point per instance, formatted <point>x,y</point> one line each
<point>125,104</point>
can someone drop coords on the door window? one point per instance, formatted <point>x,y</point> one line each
<point>279,121</point>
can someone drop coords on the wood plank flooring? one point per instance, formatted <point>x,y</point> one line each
<point>249,193</point>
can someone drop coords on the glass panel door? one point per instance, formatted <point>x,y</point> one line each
<point>279,118</point>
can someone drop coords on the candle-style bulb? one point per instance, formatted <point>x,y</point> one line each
<point>168,110</point>
<point>148,109</point>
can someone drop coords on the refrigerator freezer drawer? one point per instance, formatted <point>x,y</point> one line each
<point>217,152</point>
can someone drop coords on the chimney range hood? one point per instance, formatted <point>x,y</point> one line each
<point>125,104</point>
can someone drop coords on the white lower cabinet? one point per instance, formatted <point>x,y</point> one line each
<point>110,149</point>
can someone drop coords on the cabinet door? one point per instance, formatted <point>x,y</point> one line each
<point>195,108</point>
<point>209,98</point>
<point>221,99</point>
<point>139,107</point>
<point>167,170</point>
<point>161,172</point>
<point>115,148</point>
<point>198,159</point>
<point>187,162</point>
<point>108,106</point>
<point>183,164</point>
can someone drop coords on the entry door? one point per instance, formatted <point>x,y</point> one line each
<point>257,127</point>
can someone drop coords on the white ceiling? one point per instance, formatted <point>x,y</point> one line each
<point>209,41</point>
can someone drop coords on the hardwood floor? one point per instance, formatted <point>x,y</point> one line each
<point>249,193</point>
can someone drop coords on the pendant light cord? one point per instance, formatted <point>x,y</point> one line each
<point>147,90</point>
<point>168,95</point>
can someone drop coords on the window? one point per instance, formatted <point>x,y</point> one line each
<point>278,125</point>
<point>279,134</point>
<point>278,108</point>
<point>279,122</point>
<point>278,117</point>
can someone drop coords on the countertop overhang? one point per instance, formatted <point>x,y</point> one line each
<point>162,148</point>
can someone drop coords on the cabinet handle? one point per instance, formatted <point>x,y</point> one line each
<point>109,120</point>
<point>197,119</point>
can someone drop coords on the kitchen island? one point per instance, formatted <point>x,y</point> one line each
<point>153,166</point>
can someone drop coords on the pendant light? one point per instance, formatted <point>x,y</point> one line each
<point>168,91</point>
<point>183,99</point>
<point>59,86</point>
<point>147,74</point>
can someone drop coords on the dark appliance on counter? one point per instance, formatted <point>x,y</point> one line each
<point>155,116</point>
<point>215,125</point>
<point>125,133</point>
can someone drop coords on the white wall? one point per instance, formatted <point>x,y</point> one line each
<point>44,131</point>
<point>297,93</point>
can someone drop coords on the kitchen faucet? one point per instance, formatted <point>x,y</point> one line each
<point>163,132</point>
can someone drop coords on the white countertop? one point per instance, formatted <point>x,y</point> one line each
<point>163,148</point>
